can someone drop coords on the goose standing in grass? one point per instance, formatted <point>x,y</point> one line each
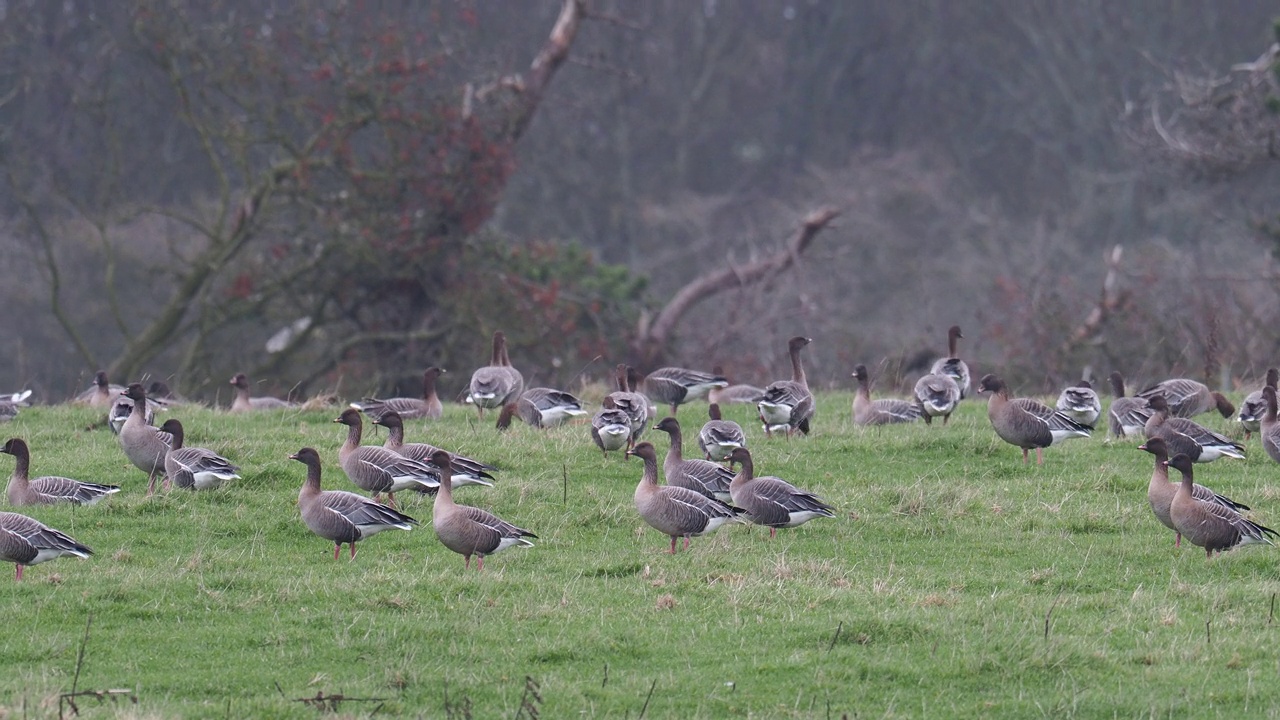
<point>718,437</point>
<point>244,402</point>
<point>610,428</point>
<point>1025,422</point>
<point>1127,416</point>
<point>886,411</point>
<point>1188,398</point>
<point>465,471</point>
<point>339,516</point>
<point>952,366</point>
<point>101,394</point>
<point>677,512</point>
<point>675,386</point>
<point>145,446</point>
<point>496,384</point>
<point>428,406</point>
<point>937,396</point>
<point>1209,525</point>
<point>634,404</point>
<point>1187,437</point>
<point>547,407</point>
<point>701,476</point>
<point>1254,405</point>
<point>1080,403</point>
<point>377,469</point>
<point>772,501</point>
<point>469,530</point>
<point>48,490</point>
<point>194,468</point>
<point>1160,490</point>
<point>788,405</point>
<point>25,541</point>
<point>737,393</point>
<point>1269,428</point>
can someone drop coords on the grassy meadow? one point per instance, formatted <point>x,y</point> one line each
<point>955,582</point>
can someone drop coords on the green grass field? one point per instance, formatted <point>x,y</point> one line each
<point>955,582</point>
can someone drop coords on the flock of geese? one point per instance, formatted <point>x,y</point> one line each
<point>699,495</point>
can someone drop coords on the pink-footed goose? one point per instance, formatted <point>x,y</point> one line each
<point>25,541</point>
<point>469,530</point>
<point>10,403</point>
<point>677,512</point>
<point>377,469</point>
<point>245,402</point>
<point>1269,429</point>
<point>465,471</point>
<point>1160,490</point>
<point>701,476</point>
<point>194,468</point>
<point>1187,437</point>
<point>1188,398</point>
<point>1127,416</point>
<point>48,490</point>
<point>675,386</point>
<point>339,516</point>
<point>144,445</point>
<point>1080,403</point>
<point>772,501</point>
<point>1027,423</point>
<point>635,405</point>
<point>1254,405</point>
<point>787,405</point>
<point>428,406</point>
<point>543,407</point>
<point>937,396</point>
<point>736,393</point>
<point>885,411</point>
<point>610,428</point>
<point>1210,525</point>
<point>101,394</point>
<point>498,383</point>
<point>952,366</point>
<point>718,437</point>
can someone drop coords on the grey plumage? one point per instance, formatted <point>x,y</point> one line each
<point>1210,525</point>
<point>952,366</point>
<point>1027,423</point>
<point>498,383</point>
<point>339,516</point>
<point>377,469</point>
<point>245,402</point>
<point>718,437</point>
<point>428,406</point>
<point>885,411</point>
<point>47,490</point>
<point>470,530</point>
<point>1127,416</point>
<point>1188,398</point>
<point>772,501</point>
<point>1160,491</point>
<point>465,471</point>
<point>1255,406</point>
<point>677,512</point>
<point>675,386</point>
<point>25,541</point>
<point>1188,437</point>
<point>1080,403</point>
<point>701,476</point>
<point>144,445</point>
<point>788,405</point>
<point>194,468</point>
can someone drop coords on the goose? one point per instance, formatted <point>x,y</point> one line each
<point>245,403</point>
<point>377,469</point>
<point>885,411</point>
<point>25,541</point>
<point>465,470</point>
<point>675,386</point>
<point>123,408</point>
<point>701,476</point>
<point>1027,423</point>
<point>1080,403</point>
<point>1210,525</point>
<point>787,405</point>
<point>1188,398</point>
<point>496,384</point>
<point>952,366</point>
<point>1254,406</point>
<point>772,501</point>
<point>733,393</point>
<point>547,407</point>
<point>937,395</point>
<point>10,403</point>
<point>194,468</point>
<point>8,411</point>
<point>428,406</point>
<point>718,437</point>
<point>469,530</point>
<point>1160,491</point>
<point>340,516</point>
<point>1269,428</point>
<point>675,511</point>
<point>1188,437</point>
<point>145,446</point>
<point>610,428</point>
<point>161,394</point>
<point>1127,416</point>
<point>101,394</point>
<point>25,490</point>
<point>634,404</point>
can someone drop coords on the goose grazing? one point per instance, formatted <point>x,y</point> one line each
<point>787,405</point>
<point>145,446</point>
<point>101,394</point>
<point>1080,403</point>
<point>547,408</point>
<point>465,470</point>
<point>1188,398</point>
<point>733,393</point>
<point>937,396</point>
<point>1027,423</point>
<point>718,437</point>
<point>610,428</point>
<point>496,384</point>
<point>634,404</point>
<point>1254,406</point>
<point>194,468</point>
<point>377,469</point>
<point>1206,524</point>
<point>1160,490</point>
<point>701,476</point>
<point>428,406</point>
<point>1127,416</point>
<point>772,501</point>
<point>25,490</point>
<point>1187,437</point>
<point>675,386</point>
<point>677,512</point>
<point>885,411</point>
<point>952,366</point>
<point>25,541</point>
<point>339,516</point>
<point>1269,428</point>
<point>469,530</point>
<point>245,403</point>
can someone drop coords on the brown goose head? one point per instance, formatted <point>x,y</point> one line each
<point>173,426</point>
<point>240,381</point>
<point>135,392</point>
<point>644,451</point>
<point>991,383</point>
<point>860,373</point>
<point>100,379</point>
<point>1158,403</point>
<point>389,419</point>
<point>668,425</point>
<point>797,343</point>
<point>350,417</point>
<point>16,447</point>
<point>1117,384</point>
<point>1156,446</point>
<point>307,456</point>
